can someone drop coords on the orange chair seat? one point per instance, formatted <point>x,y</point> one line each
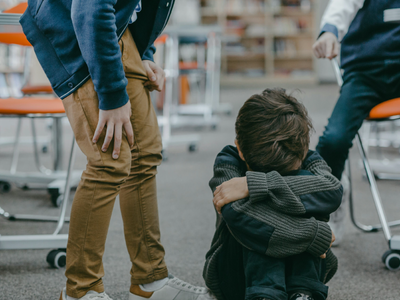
<point>18,9</point>
<point>23,106</point>
<point>37,89</point>
<point>16,38</point>
<point>385,110</point>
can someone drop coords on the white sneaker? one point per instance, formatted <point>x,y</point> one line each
<point>337,220</point>
<point>173,289</point>
<point>91,295</point>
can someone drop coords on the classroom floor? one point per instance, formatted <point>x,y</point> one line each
<point>187,218</point>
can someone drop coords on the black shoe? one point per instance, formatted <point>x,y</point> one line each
<point>301,296</point>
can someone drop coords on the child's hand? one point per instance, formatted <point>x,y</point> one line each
<point>333,239</point>
<point>231,190</point>
<point>156,76</point>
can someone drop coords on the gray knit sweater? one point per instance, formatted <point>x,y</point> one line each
<point>288,213</point>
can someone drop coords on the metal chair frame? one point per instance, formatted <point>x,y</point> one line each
<point>166,120</point>
<point>52,180</point>
<point>55,258</point>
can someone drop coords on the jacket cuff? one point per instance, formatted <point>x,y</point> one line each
<point>329,28</point>
<point>322,240</point>
<point>113,100</point>
<point>149,53</point>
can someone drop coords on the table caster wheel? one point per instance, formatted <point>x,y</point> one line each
<point>57,258</point>
<point>391,259</point>
<point>192,147</point>
<point>5,187</point>
<point>45,149</point>
<point>55,196</point>
<point>57,200</point>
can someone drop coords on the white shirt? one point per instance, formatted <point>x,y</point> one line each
<point>341,13</point>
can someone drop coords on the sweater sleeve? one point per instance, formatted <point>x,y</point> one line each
<point>262,229</point>
<point>267,231</point>
<point>317,193</point>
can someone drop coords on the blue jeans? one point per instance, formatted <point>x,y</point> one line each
<point>244,274</point>
<point>363,88</point>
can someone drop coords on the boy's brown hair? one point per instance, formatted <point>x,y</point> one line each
<point>273,131</point>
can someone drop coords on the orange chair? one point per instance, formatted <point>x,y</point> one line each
<point>58,183</point>
<point>386,111</point>
<point>18,38</point>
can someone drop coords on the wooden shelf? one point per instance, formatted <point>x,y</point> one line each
<point>297,57</point>
<point>244,56</point>
<point>293,12</point>
<point>277,80</point>
<point>240,17</point>
<point>297,35</point>
<point>209,12</point>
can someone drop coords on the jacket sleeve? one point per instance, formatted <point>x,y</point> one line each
<point>149,54</point>
<point>338,16</point>
<point>268,236</point>
<point>95,29</point>
<point>318,193</point>
<point>262,229</point>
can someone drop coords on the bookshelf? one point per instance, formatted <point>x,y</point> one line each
<point>265,41</point>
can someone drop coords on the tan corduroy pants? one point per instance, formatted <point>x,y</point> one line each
<point>132,177</point>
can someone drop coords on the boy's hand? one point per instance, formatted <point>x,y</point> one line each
<point>115,120</point>
<point>156,76</point>
<point>231,190</point>
<point>333,239</point>
<point>327,46</point>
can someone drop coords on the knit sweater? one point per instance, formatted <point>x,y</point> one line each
<point>283,216</point>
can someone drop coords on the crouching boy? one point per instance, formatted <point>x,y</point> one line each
<point>273,197</point>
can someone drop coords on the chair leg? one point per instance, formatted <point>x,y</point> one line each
<point>375,194</point>
<point>40,167</point>
<point>61,219</point>
<point>15,157</point>
<point>366,228</point>
<point>67,188</point>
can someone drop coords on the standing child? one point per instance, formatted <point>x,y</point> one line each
<point>274,197</point>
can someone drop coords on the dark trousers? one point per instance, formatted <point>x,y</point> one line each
<point>363,88</point>
<point>244,274</point>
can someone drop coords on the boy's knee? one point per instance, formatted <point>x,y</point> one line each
<point>335,142</point>
<point>108,169</point>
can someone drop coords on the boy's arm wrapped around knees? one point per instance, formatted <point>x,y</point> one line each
<point>259,226</point>
<point>316,193</point>
<point>262,229</point>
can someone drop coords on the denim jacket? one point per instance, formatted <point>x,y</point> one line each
<point>78,39</point>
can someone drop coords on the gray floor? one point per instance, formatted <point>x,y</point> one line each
<point>187,219</point>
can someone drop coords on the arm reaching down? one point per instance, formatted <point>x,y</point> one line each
<point>335,23</point>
